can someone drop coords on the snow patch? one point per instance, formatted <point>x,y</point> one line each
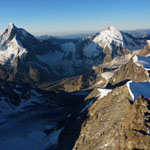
<point>104,92</point>
<point>107,75</point>
<point>35,93</point>
<point>12,50</point>
<point>128,86</point>
<point>91,50</point>
<point>53,138</point>
<point>34,141</point>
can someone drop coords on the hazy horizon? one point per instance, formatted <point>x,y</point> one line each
<point>67,33</point>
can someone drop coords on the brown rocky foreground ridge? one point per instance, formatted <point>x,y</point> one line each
<point>111,123</point>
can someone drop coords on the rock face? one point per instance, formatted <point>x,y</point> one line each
<point>135,126</point>
<point>130,71</point>
<point>97,126</point>
<point>83,82</point>
<point>74,58</point>
<point>111,122</point>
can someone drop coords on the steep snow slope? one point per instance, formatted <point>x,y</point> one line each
<point>111,37</point>
<point>137,89</point>
<point>142,61</point>
<point>10,48</point>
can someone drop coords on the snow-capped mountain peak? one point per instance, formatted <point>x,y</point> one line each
<point>114,33</point>
<point>107,36</point>
<point>112,39</point>
<point>11,29</point>
<point>10,26</point>
<point>10,47</point>
<point>7,35</point>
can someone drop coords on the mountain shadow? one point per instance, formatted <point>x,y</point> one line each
<point>73,126</point>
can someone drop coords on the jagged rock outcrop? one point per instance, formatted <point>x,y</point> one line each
<point>130,71</point>
<point>98,125</point>
<point>135,126</point>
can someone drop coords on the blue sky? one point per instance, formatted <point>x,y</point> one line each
<point>74,16</point>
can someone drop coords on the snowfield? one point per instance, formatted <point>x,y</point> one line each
<point>111,35</point>
<point>32,124</point>
<point>107,75</point>
<point>104,92</point>
<point>26,131</point>
<point>142,61</point>
<point>11,51</point>
<point>137,89</point>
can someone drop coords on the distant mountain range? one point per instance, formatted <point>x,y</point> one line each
<point>74,93</point>
<point>25,57</point>
<point>138,32</point>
